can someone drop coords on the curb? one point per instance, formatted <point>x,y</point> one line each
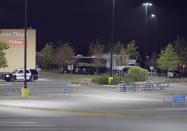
<point>110,85</point>
<point>5,84</point>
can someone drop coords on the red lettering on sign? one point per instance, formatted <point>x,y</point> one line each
<point>15,42</point>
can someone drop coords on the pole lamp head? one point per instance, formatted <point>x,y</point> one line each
<point>147,4</point>
<point>153,15</point>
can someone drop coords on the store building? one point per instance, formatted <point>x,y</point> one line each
<point>15,54</point>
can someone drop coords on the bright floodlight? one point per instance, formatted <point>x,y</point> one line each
<point>150,4</point>
<point>147,4</point>
<point>153,15</point>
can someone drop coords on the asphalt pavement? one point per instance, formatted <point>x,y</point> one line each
<point>89,107</point>
<point>48,94</point>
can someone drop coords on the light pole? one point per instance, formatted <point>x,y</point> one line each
<point>25,89</point>
<point>146,5</point>
<point>112,41</point>
<point>154,17</point>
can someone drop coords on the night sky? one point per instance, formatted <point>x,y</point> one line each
<point>82,21</point>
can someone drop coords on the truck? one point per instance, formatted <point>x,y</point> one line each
<point>31,75</point>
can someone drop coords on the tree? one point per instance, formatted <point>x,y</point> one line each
<point>168,59</point>
<point>3,62</point>
<point>47,56</point>
<point>131,50</point>
<point>39,58</point>
<point>152,61</point>
<point>64,55</point>
<point>180,47</point>
<point>96,48</point>
<point>120,50</point>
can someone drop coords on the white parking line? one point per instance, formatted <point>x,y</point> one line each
<point>27,125</point>
<point>20,122</point>
<point>42,79</point>
<point>24,124</point>
<point>5,84</point>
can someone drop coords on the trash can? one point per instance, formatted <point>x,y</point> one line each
<point>122,87</point>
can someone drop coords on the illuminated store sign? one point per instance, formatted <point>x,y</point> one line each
<point>13,39</point>
<point>12,34</point>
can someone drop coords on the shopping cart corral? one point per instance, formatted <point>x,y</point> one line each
<point>147,86</point>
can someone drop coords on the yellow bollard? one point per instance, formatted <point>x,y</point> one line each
<point>110,79</point>
<point>25,92</point>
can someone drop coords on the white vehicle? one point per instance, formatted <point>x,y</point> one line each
<point>19,74</point>
<point>31,75</point>
<point>173,74</point>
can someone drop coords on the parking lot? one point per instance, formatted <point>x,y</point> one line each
<point>88,103</point>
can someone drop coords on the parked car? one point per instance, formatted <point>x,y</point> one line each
<point>173,74</point>
<point>31,75</point>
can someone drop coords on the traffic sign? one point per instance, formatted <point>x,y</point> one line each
<point>183,65</point>
<point>7,90</point>
<point>151,68</point>
<point>178,98</point>
<point>67,90</point>
<point>38,69</point>
<point>147,57</point>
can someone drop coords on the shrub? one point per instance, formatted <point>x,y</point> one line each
<point>134,74</point>
<point>137,74</point>
<point>104,80</point>
<point>116,80</point>
<point>101,79</point>
<point>128,80</point>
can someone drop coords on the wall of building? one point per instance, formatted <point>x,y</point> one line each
<point>15,54</point>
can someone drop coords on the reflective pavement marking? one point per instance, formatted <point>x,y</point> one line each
<point>27,125</point>
<point>20,122</point>
<point>5,84</point>
<point>24,124</point>
<point>82,112</point>
<point>103,114</point>
<point>42,79</point>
